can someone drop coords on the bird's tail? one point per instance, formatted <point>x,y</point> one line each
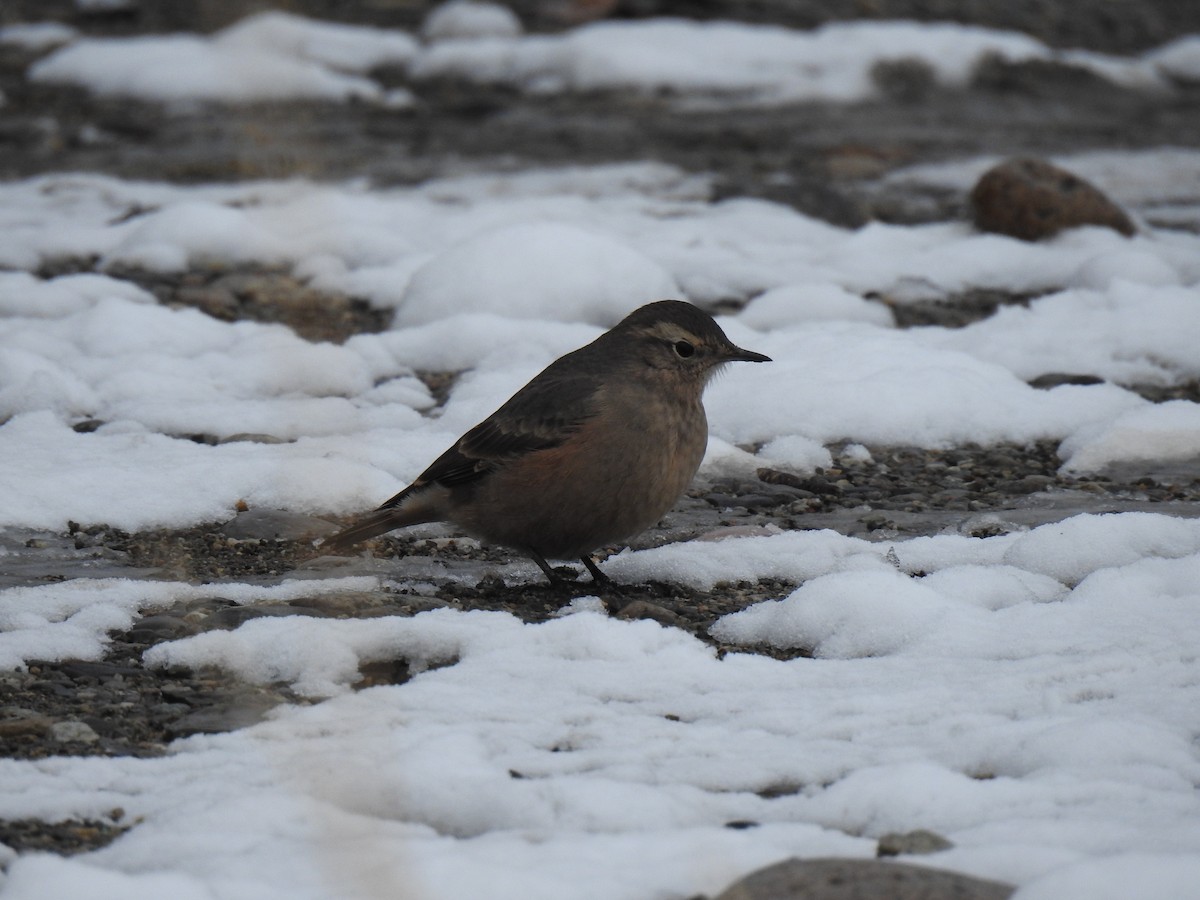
<point>369,526</point>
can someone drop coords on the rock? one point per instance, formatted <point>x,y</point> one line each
<point>1056,379</point>
<point>162,627</point>
<point>641,609</point>
<point>907,79</point>
<point>275,525</point>
<point>215,300</point>
<point>229,711</point>
<point>252,437</point>
<point>895,843</point>
<point>1031,199</point>
<point>73,732</point>
<point>16,721</point>
<point>860,879</point>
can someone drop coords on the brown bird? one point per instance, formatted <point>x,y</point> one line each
<point>595,449</point>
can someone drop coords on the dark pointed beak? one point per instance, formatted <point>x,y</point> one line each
<point>737,354</point>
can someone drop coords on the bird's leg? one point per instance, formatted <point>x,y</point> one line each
<point>599,577</point>
<point>554,575</point>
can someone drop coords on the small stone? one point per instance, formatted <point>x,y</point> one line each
<point>343,603</point>
<point>1056,379</point>
<point>640,609</point>
<point>895,843</point>
<point>251,437</point>
<point>16,721</point>
<point>275,525</point>
<point>762,501</point>
<point>73,732</point>
<point>238,709</point>
<point>1032,199</point>
<point>775,476</point>
<point>382,671</point>
<point>215,300</point>
<point>907,79</point>
<point>160,628</point>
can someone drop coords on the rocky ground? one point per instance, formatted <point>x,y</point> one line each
<point>823,160</point>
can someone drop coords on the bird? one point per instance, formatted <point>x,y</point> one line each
<point>592,451</point>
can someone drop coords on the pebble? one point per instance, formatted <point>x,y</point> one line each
<point>163,627</point>
<point>275,525</point>
<point>16,721</point>
<point>237,708</point>
<point>921,841</point>
<point>642,609</point>
<point>73,732</point>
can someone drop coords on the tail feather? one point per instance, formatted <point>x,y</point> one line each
<point>369,526</point>
<point>409,507</point>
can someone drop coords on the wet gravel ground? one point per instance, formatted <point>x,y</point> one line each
<point>825,161</point>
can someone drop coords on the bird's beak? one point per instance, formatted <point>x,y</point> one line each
<point>737,354</point>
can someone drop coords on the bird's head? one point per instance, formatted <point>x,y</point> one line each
<point>674,337</point>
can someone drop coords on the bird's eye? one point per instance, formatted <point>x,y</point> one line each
<point>684,349</point>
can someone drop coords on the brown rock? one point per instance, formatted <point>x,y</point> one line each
<point>641,609</point>
<point>860,879</point>
<point>1031,199</point>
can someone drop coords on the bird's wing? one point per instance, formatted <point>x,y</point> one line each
<point>541,415</point>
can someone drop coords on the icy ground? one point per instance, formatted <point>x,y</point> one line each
<point>1033,696</point>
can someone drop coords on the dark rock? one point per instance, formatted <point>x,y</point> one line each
<point>1035,77</point>
<point>860,879</point>
<point>238,709</point>
<point>775,476</point>
<point>1031,199</point>
<point>101,671</point>
<point>152,629</point>
<point>64,838</point>
<point>382,671</point>
<point>907,80</point>
<point>233,616</point>
<point>1055,379</point>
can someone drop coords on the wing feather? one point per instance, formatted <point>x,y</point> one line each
<point>541,415</point>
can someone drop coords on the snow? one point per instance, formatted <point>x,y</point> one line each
<point>1180,58</point>
<point>1033,696</point>
<point>470,20</point>
<point>583,276</point>
<point>755,63</point>
<point>500,282</point>
<point>36,35</point>
<point>274,55</point>
<point>270,56</point>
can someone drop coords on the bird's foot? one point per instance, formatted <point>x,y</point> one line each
<point>600,580</point>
